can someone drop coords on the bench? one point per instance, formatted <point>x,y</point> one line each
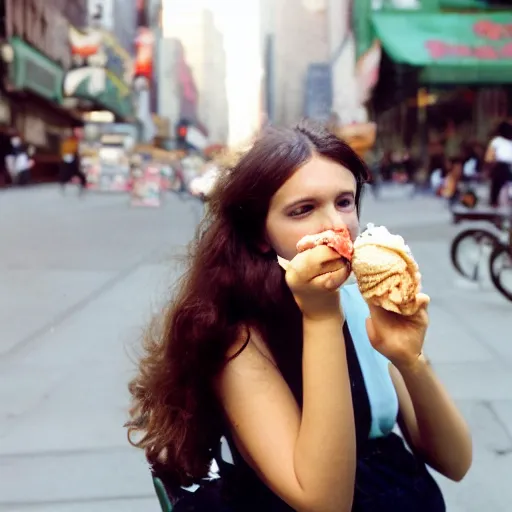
<point>165,502</point>
<point>495,216</point>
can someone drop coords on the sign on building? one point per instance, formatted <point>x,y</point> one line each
<point>319,95</point>
<point>101,14</point>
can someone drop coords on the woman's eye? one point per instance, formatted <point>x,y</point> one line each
<point>301,210</point>
<point>346,204</point>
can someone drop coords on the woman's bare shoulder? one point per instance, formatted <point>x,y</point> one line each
<point>249,344</point>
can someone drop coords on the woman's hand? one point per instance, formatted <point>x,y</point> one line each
<point>314,277</point>
<point>399,338</point>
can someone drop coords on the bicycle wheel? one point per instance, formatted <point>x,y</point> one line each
<point>500,266</point>
<point>467,250</point>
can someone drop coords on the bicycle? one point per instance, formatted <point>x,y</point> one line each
<point>502,251</point>
<point>496,246</point>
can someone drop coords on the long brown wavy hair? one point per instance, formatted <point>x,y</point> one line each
<point>230,285</point>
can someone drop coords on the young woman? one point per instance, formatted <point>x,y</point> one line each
<point>305,389</point>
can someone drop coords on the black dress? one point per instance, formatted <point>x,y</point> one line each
<point>389,478</point>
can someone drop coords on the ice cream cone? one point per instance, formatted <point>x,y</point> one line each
<point>386,272</point>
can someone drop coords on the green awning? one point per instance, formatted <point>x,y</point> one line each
<point>31,70</point>
<point>115,98</point>
<point>451,48</point>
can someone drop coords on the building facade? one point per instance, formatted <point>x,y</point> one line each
<point>213,103</point>
<point>202,49</point>
<point>311,66</point>
<point>35,57</point>
<point>300,38</point>
<point>178,100</point>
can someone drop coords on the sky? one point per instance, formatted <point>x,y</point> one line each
<point>239,21</point>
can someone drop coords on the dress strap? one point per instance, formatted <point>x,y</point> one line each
<point>374,366</point>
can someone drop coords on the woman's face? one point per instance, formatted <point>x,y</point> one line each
<point>319,196</point>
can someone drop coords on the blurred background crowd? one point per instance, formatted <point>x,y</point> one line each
<point>98,90</point>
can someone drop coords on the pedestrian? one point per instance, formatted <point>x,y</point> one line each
<point>5,150</point>
<point>304,388</point>
<point>437,170</point>
<point>451,184</point>
<point>374,171</point>
<point>499,158</point>
<point>19,162</point>
<point>472,161</point>
<point>69,169</point>
<point>387,166</point>
<point>409,166</point>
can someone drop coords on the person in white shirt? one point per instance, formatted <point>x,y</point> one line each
<point>19,162</point>
<point>499,154</point>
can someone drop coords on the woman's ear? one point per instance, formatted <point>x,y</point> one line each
<point>264,244</point>
<point>264,247</point>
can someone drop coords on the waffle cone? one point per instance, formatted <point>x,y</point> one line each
<point>387,277</point>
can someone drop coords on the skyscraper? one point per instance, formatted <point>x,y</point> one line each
<point>203,49</point>
<point>300,37</point>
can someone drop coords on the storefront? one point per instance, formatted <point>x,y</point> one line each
<point>99,83</point>
<point>449,48</point>
<point>442,71</point>
<point>35,57</point>
<point>30,70</point>
<point>33,104</point>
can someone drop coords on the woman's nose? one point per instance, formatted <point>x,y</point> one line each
<point>334,220</point>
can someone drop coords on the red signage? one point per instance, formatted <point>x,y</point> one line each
<point>441,50</point>
<point>485,29</point>
<point>144,57</point>
<point>493,31</point>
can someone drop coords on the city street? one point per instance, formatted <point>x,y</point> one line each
<point>79,277</point>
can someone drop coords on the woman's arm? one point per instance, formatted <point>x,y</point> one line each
<point>430,420</point>
<point>325,456</point>
<point>307,458</point>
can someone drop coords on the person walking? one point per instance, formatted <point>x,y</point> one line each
<point>499,157</point>
<point>69,169</point>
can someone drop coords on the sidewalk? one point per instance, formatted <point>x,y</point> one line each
<point>79,279</point>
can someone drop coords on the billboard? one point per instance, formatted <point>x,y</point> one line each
<point>100,14</point>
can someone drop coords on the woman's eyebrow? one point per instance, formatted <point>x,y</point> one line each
<point>299,201</point>
<point>312,199</point>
